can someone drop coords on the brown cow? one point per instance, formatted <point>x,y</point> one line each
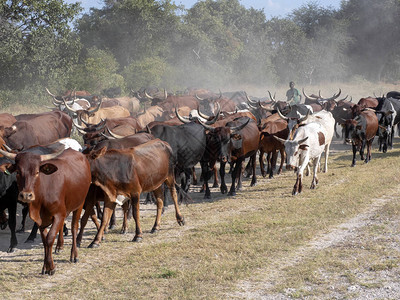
<point>53,185</point>
<point>270,126</point>
<point>96,192</point>
<point>37,129</point>
<point>139,169</point>
<point>361,131</point>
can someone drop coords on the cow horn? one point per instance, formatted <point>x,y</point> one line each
<point>201,114</point>
<point>80,113</point>
<point>7,148</point>
<point>250,102</point>
<point>69,108</point>
<point>240,127</point>
<point>182,119</point>
<point>272,98</point>
<point>77,125</point>
<point>220,94</point>
<point>279,139</point>
<point>216,115</point>
<point>197,97</point>
<point>8,154</point>
<point>148,96</point>
<point>108,137</point>
<point>114,135</point>
<point>165,94</point>
<point>302,140</point>
<point>45,157</point>
<point>307,96</point>
<point>81,131</point>
<point>305,117</point>
<point>48,92</point>
<point>281,115</point>
<point>55,100</point>
<point>336,95</point>
<point>97,108</point>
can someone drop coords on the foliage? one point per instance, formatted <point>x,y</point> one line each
<point>97,72</point>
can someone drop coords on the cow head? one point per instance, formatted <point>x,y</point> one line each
<point>28,166</point>
<point>292,149</point>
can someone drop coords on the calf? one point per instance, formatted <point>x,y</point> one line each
<point>53,185</point>
<point>361,131</point>
<point>306,146</point>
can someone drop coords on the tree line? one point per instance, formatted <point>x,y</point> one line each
<point>131,44</point>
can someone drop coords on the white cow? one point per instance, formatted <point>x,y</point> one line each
<point>306,147</point>
<point>326,119</point>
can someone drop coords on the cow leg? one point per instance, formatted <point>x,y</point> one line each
<point>136,216</point>
<point>282,152</point>
<point>32,236</point>
<point>112,222</point>
<point>235,172</point>
<point>158,193</point>
<point>314,181</point>
<point>194,176</point>
<point>215,184</point>
<point>369,146</point>
<point>248,169</point>
<point>274,158</point>
<point>353,163</point>
<point>261,161</point>
<point>223,186</point>
<point>254,162</point>
<point>268,162</point>
<point>125,209</point>
<point>12,222</point>
<point>298,186</point>
<point>206,174</point>
<point>327,146</point>
<point>25,210</point>
<point>108,209</point>
<point>48,241</point>
<point>60,242</point>
<point>171,185</point>
<point>74,229</point>
<point>98,209</point>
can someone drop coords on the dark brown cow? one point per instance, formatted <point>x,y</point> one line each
<point>270,126</point>
<point>360,132</point>
<point>37,129</point>
<point>95,193</point>
<point>53,185</point>
<point>130,172</point>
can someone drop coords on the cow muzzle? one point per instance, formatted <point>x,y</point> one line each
<point>289,167</point>
<point>26,197</point>
<point>348,141</point>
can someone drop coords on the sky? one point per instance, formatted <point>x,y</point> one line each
<point>272,8</point>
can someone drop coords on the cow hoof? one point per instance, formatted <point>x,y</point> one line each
<point>3,226</point>
<point>57,250</point>
<point>11,250</point>
<point>353,165</point>
<point>94,245</point>
<point>181,221</point>
<point>22,230</point>
<point>123,231</point>
<point>51,272</point>
<point>137,239</point>
<point>154,230</point>
<point>30,240</point>
<point>111,226</point>
<point>78,244</point>
<point>207,196</point>
<point>75,260</point>
<point>232,194</point>
<point>215,185</point>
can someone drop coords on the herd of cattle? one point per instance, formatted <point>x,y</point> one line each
<point>150,142</point>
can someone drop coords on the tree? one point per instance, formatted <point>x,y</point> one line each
<point>37,44</point>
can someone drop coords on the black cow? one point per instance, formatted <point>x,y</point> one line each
<point>188,142</point>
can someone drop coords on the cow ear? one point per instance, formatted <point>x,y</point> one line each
<point>48,168</point>
<point>303,147</point>
<point>98,153</point>
<point>8,168</point>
